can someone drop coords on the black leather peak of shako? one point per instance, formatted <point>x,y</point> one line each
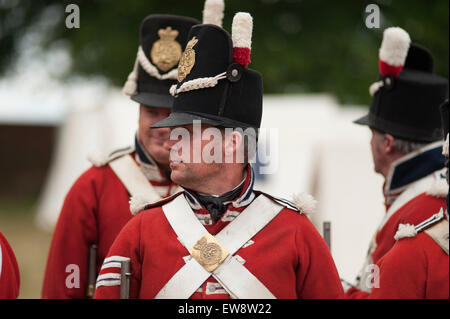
<point>407,106</point>
<point>236,101</point>
<point>150,90</point>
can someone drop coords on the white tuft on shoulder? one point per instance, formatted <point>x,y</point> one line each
<point>305,203</point>
<point>138,203</point>
<point>405,230</point>
<point>241,30</point>
<point>98,159</point>
<point>394,46</point>
<point>439,188</point>
<point>213,12</point>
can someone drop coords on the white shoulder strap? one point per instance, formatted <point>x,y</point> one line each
<point>239,282</point>
<point>179,214</point>
<point>133,179</point>
<point>248,223</point>
<point>233,276</point>
<point>100,159</point>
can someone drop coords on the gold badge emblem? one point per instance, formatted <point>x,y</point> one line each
<point>187,60</point>
<point>209,252</point>
<point>166,52</point>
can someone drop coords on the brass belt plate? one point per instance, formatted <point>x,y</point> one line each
<point>209,252</point>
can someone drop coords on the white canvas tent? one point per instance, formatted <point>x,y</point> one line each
<point>323,153</point>
<point>85,131</point>
<point>318,151</point>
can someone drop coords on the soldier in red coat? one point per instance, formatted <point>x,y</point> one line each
<point>97,206</point>
<point>9,271</point>
<point>417,266</point>
<point>406,148</point>
<point>220,238</point>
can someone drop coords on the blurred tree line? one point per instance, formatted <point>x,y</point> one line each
<point>299,46</point>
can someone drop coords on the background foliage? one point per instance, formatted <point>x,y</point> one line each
<point>298,45</point>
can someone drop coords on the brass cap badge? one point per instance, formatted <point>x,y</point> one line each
<point>166,52</point>
<point>187,61</point>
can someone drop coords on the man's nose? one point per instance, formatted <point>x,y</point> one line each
<point>168,144</point>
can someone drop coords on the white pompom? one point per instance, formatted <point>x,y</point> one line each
<point>305,203</point>
<point>213,12</point>
<point>138,203</point>
<point>405,231</point>
<point>97,159</point>
<point>241,30</point>
<point>394,47</point>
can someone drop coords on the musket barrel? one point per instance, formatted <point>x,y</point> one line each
<point>125,274</point>
<point>92,271</point>
<point>327,233</point>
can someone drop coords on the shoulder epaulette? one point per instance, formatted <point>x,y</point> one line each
<point>408,230</point>
<point>140,203</point>
<point>302,203</point>
<point>99,160</point>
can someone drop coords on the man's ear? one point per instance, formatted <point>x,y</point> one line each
<point>388,144</point>
<point>232,143</point>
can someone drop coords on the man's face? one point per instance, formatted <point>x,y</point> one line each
<point>377,154</point>
<point>153,139</point>
<point>189,169</point>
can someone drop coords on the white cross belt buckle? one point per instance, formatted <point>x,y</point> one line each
<point>209,252</point>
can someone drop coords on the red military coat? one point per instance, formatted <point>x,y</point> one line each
<point>94,211</point>
<point>9,271</point>
<point>288,255</point>
<point>415,268</point>
<point>409,203</point>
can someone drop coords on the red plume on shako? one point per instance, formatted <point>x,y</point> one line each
<point>241,29</point>
<point>241,33</point>
<point>408,93</point>
<point>393,52</point>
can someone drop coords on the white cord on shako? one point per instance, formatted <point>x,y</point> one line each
<point>197,84</point>
<point>131,84</point>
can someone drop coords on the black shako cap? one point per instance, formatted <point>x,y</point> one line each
<point>236,101</point>
<point>150,90</point>
<point>407,106</point>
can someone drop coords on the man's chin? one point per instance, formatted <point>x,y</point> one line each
<point>161,157</point>
<point>176,177</point>
<point>174,165</point>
